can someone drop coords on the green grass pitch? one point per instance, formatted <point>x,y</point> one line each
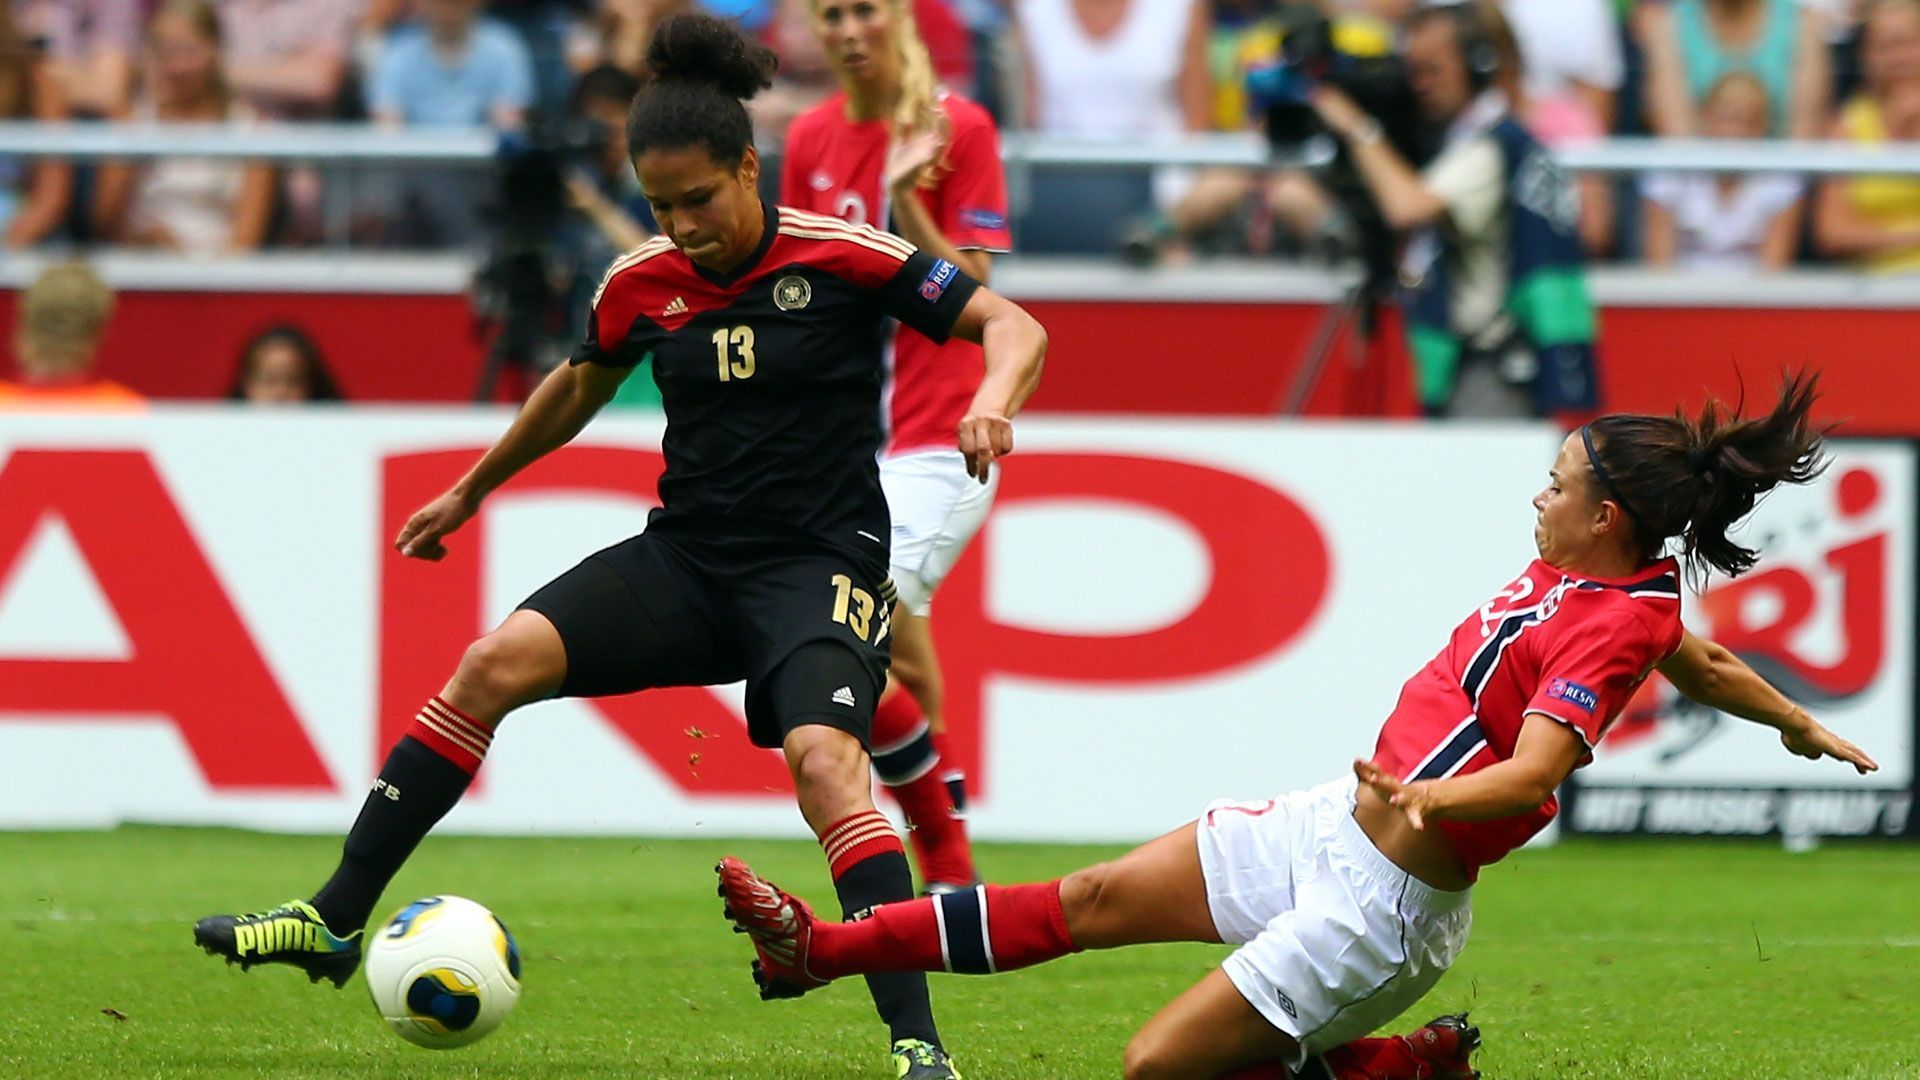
<point>1625,959</point>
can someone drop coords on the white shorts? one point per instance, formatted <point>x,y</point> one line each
<point>936,509</point>
<point>1334,939</point>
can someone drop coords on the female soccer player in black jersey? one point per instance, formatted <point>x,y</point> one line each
<point>767,560</point>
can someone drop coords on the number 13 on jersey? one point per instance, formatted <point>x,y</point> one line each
<point>855,608</point>
<point>733,348</point>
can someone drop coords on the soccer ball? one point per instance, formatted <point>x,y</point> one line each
<point>444,972</point>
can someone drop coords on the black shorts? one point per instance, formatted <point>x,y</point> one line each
<point>676,606</point>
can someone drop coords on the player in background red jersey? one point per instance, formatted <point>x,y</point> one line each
<point>1349,900</point>
<point>895,150</point>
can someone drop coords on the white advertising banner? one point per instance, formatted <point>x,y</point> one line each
<point>201,620</point>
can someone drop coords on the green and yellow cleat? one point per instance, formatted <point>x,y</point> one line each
<point>917,1059</point>
<point>292,933</point>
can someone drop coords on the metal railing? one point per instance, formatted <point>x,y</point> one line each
<point>371,145</point>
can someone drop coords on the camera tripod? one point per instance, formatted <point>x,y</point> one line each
<point>1360,307</point>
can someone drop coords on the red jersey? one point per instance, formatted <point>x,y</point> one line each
<point>834,166</point>
<point>1572,648</point>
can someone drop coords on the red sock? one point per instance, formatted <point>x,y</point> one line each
<point>905,758</point>
<point>939,839</point>
<point>978,931</point>
<point>854,839</point>
<point>952,775</point>
<point>452,734</point>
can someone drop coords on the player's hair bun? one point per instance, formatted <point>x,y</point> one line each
<point>704,49</point>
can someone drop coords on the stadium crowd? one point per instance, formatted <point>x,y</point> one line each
<point>1571,69</point>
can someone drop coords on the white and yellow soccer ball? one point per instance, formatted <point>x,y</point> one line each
<point>444,971</point>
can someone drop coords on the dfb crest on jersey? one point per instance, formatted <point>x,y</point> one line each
<point>791,293</point>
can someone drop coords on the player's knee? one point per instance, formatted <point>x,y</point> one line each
<point>827,764</point>
<point>506,668</point>
<point>1150,1057</point>
<point>1087,902</point>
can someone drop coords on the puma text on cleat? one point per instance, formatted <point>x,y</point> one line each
<point>292,933</point>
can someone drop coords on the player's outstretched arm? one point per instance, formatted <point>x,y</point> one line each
<point>1712,675</point>
<point>559,407</point>
<point>1015,345</point>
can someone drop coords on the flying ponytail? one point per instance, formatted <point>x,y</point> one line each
<point>1696,478</point>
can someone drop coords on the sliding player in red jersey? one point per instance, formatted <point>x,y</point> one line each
<point>897,151</point>
<point>1349,900</point>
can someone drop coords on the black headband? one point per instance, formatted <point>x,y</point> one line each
<point>1600,473</point>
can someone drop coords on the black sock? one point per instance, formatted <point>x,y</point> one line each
<point>416,789</point>
<point>899,997</point>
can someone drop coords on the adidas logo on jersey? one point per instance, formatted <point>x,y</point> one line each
<point>677,307</point>
<point>844,696</point>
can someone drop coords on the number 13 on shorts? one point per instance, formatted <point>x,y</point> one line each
<point>855,608</point>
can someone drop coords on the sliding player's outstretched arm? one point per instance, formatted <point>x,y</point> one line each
<point>1713,676</point>
<point>558,408</point>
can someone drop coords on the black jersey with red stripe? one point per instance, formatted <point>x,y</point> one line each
<point>771,374</point>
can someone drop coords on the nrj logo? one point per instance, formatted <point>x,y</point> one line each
<point>1814,625</point>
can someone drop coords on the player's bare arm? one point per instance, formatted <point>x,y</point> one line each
<point>1015,345</point>
<point>1712,675</point>
<point>1542,759</point>
<point>558,408</point>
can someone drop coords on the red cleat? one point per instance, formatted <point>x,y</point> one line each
<point>780,926</point>
<point>1440,1050</point>
<point>1445,1044</point>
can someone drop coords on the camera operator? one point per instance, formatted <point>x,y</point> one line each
<point>566,204</point>
<point>605,191</point>
<point>1498,320</point>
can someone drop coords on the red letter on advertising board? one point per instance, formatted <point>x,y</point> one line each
<point>430,612</point>
<point>1270,573</point>
<point>192,659</point>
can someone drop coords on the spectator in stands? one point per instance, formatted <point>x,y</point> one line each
<point>1110,69</point>
<point>282,366</point>
<point>91,44</point>
<point>802,80</point>
<point>63,316</point>
<point>287,59</point>
<point>1729,223</point>
<point>453,68</point>
<point>624,28</point>
<point>1498,319</point>
<point>34,194</point>
<point>195,206</point>
<point>1223,209</point>
<point>1573,67</point>
<point>1690,44</point>
<point>550,30</point>
<point>1569,70</point>
<point>1875,220</point>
